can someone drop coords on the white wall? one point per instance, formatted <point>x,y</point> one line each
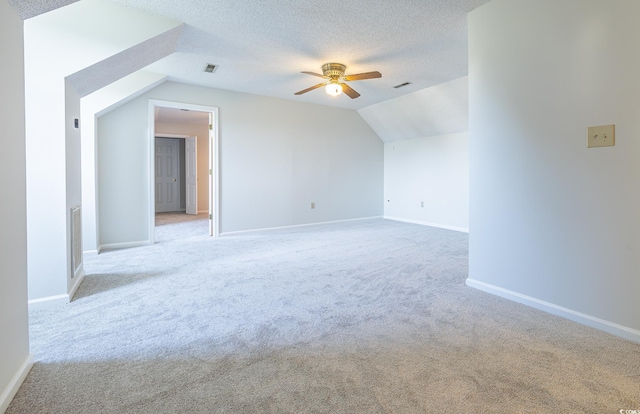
<point>277,156</point>
<point>109,97</point>
<point>426,154</point>
<point>202,132</point>
<point>430,170</point>
<point>73,183</point>
<point>65,41</point>
<point>555,224</point>
<point>15,360</point>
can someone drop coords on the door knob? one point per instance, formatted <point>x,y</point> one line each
<point>174,180</point>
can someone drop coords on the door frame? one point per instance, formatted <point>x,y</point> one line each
<point>214,163</point>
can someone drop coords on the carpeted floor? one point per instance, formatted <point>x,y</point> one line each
<point>368,316</point>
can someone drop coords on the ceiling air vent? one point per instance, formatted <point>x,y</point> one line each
<point>210,68</point>
<point>402,84</point>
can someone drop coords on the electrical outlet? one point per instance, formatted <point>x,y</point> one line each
<point>313,205</point>
<point>601,136</point>
<point>422,204</point>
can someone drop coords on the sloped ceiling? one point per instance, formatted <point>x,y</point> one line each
<point>262,46</point>
<point>438,110</point>
<point>107,71</point>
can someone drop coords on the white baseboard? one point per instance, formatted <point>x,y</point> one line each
<point>91,252</point>
<point>424,223</point>
<point>57,300</point>
<point>15,383</point>
<point>581,318</point>
<point>126,245</point>
<point>228,233</point>
<point>48,302</point>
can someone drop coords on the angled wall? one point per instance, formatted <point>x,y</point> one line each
<point>15,359</point>
<point>555,224</point>
<point>64,49</point>
<point>277,157</point>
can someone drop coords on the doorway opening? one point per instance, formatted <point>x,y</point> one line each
<point>178,211</point>
<point>183,170</point>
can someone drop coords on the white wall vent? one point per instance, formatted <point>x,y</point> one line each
<point>210,68</point>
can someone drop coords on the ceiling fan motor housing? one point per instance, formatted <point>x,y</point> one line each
<point>333,70</point>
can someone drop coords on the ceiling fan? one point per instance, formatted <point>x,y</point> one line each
<point>335,84</point>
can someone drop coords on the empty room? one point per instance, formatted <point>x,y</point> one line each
<point>322,207</point>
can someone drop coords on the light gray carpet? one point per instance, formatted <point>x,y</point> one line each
<point>368,316</point>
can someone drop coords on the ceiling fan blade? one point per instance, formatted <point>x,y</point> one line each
<point>313,74</point>
<point>348,90</point>
<point>361,76</point>
<point>310,89</point>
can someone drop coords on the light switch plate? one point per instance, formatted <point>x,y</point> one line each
<point>601,136</point>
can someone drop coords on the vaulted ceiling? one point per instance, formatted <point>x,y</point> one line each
<point>261,47</point>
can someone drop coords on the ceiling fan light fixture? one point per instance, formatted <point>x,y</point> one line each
<point>333,88</point>
<point>336,81</point>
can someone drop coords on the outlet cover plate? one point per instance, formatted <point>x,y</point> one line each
<point>601,136</point>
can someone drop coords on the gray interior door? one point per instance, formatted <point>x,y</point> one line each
<point>167,175</point>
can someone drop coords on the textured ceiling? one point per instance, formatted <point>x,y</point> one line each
<point>31,8</point>
<point>262,46</point>
<point>107,71</point>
